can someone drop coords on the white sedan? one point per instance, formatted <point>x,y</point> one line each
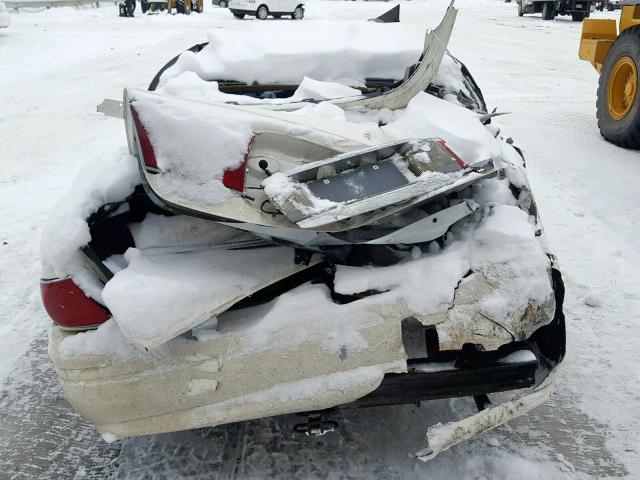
<point>255,256</point>
<point>264,8</point>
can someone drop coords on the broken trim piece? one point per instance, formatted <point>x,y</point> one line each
<point>111,108</point>
<point>441,437</point>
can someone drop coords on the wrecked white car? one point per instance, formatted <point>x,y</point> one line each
<point>339,232</point>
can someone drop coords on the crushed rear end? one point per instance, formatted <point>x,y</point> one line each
<point>270,254</point>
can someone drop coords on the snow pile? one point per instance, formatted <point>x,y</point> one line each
<point>307,313</point>
<point>324,110</point>
<point>427,116</point>
<point>503,248</point>
<point>195,145</point>
<point>158,296</point>
<point>450,77</point>
<point>407,281</point>
<point>109,341</point>
<point>98,183</point>
<point>508,254</point>
<point>344,52</point>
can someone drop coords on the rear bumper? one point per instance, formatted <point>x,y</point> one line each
<point>190,383</point>
<point>195,384</point>
<point>529,382</point>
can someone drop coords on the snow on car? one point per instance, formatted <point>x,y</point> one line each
<point>345,231</point>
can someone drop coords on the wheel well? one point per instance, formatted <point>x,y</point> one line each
<point>262,5</point>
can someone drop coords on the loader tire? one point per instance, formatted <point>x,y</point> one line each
<point>548,12</point>
<point>618,101</point>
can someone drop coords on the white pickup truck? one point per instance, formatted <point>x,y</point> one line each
<point>261,9</point>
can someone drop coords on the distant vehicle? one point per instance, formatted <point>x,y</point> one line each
<point>185,6</point>
<point>5,19</point>
<point>609,5</point>
<point>578,9</point>
<point>220,3</point>
<point>128,7</point>
<point>264,8</point>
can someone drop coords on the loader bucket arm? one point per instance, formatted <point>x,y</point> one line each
<point>596,40</point>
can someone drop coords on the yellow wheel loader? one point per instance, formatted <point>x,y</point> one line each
<point>615,54</point>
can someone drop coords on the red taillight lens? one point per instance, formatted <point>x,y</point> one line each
<point>146,149</point>
<point>69,307</point>
<point>234,178</point>
<point>458,160</point>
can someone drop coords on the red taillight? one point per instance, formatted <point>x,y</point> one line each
<point>69,307</point>
<point>234,178</point>
<point>458,160</point>
<point>146,149</point>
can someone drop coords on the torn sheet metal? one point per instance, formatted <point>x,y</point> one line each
<point>424,230</point>
<point>435,46</point>
<point>429,228</point>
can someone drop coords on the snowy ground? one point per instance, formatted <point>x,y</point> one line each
<point>57,65</point>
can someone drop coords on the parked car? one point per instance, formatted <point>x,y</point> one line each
<point>259,252</point>
<point>220,3</point>
<point>5,19</point>
<point>262,9</point>
<point>578,9</point>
